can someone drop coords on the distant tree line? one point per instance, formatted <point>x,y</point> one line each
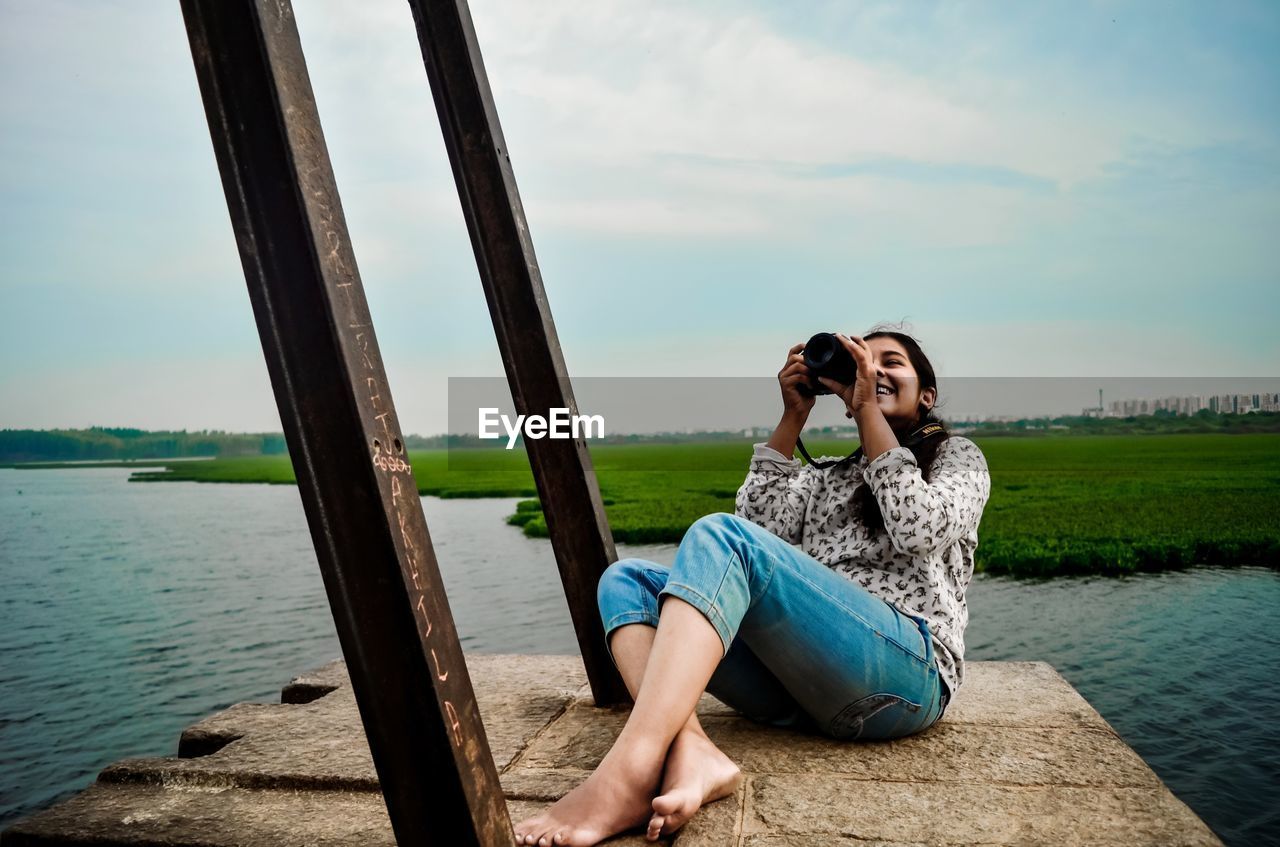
<point>118,443</point>
<point>440,442</point>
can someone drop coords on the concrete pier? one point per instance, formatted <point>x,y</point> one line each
<point>1019,758</point>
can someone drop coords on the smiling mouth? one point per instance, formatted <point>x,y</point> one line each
<point>881,391</point>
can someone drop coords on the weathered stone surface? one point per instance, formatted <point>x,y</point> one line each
<point>823,840</point>
<point>943,753</point>
<point>499,678</point>
<point>544,785</point>
<point>315,683</point>
<point>966,813</point>
<point>577,739</point>
<point>518,698</point>
<point>716,825</point>
<point>1019,694</point>
<point>209,817</point>
<point>216,817</point>
<point>320,743</point>
<point>581,736</point>
<point>316,745</point>
<point>1020,758</point>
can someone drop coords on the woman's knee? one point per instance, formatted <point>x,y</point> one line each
<point>722,531</point>
<point>718,527</point>
<point>623,581</point>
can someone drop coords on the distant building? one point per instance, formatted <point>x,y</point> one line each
<point>1221,404</point>
<point>1094,411</point>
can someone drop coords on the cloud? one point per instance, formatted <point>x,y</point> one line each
<point>630,82</point>
<point>670,119</point>
<point>701,179</point>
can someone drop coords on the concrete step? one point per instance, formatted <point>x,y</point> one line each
<point>1019,758</point>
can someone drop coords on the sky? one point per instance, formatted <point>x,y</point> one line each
<point>1038,190</point>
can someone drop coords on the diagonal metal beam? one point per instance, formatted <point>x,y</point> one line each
<point>522,320</point>
<point>393,620</point>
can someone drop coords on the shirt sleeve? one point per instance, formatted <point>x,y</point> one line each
<point>776,493</point>
<point>921,517</point>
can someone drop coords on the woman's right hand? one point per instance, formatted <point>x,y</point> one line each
<point>794,374</point>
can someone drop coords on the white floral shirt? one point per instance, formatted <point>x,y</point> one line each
<point>922,561</point>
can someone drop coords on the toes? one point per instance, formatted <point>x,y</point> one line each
<point>525,829</point>
<point>560,838</point>
<point>672,823</point>
<point>670,813</point>
<point>665,804</point>
<point>655,827</point>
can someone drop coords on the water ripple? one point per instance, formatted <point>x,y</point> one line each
<point>1176,662</point>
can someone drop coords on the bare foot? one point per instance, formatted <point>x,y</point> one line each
<point>697,773</point>
<point>614,798</point>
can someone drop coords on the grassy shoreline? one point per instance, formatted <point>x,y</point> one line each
<point>1094,504</point>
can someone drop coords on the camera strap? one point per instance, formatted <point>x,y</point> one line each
<point>919,435</point>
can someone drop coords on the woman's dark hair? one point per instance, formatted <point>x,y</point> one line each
<point>924,452</point>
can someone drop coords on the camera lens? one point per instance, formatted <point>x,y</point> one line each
<point>820,350</point>
<point>825,355</point>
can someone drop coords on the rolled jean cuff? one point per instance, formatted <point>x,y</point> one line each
<point>622,619</point>
<point>709,609</point>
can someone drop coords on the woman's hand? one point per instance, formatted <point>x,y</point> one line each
<point>861,395</point>
<point>794,374</point>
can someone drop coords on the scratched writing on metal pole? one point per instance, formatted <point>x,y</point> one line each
<point>387,455</point>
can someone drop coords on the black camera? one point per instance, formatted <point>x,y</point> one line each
<point>825,355</point>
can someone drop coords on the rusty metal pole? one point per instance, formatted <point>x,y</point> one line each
<point>522,320</point>
<point>393,620</point>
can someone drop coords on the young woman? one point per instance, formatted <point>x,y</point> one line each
<point>857,633</point>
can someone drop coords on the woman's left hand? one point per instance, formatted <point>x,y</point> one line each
<point>862,394</point>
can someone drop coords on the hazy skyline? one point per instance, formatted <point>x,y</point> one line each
<point>674,404</point>
<point>1050,190</point>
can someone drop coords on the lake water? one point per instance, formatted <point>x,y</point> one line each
<point>129,611</point>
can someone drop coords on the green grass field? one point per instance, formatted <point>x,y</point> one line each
<point>1089,504</point>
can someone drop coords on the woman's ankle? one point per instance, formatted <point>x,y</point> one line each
<point>637,756</point>
<point>693,727</point>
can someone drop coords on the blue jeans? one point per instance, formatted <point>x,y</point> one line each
<point>804,647</point>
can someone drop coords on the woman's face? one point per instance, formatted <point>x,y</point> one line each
<point>897,386</point>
